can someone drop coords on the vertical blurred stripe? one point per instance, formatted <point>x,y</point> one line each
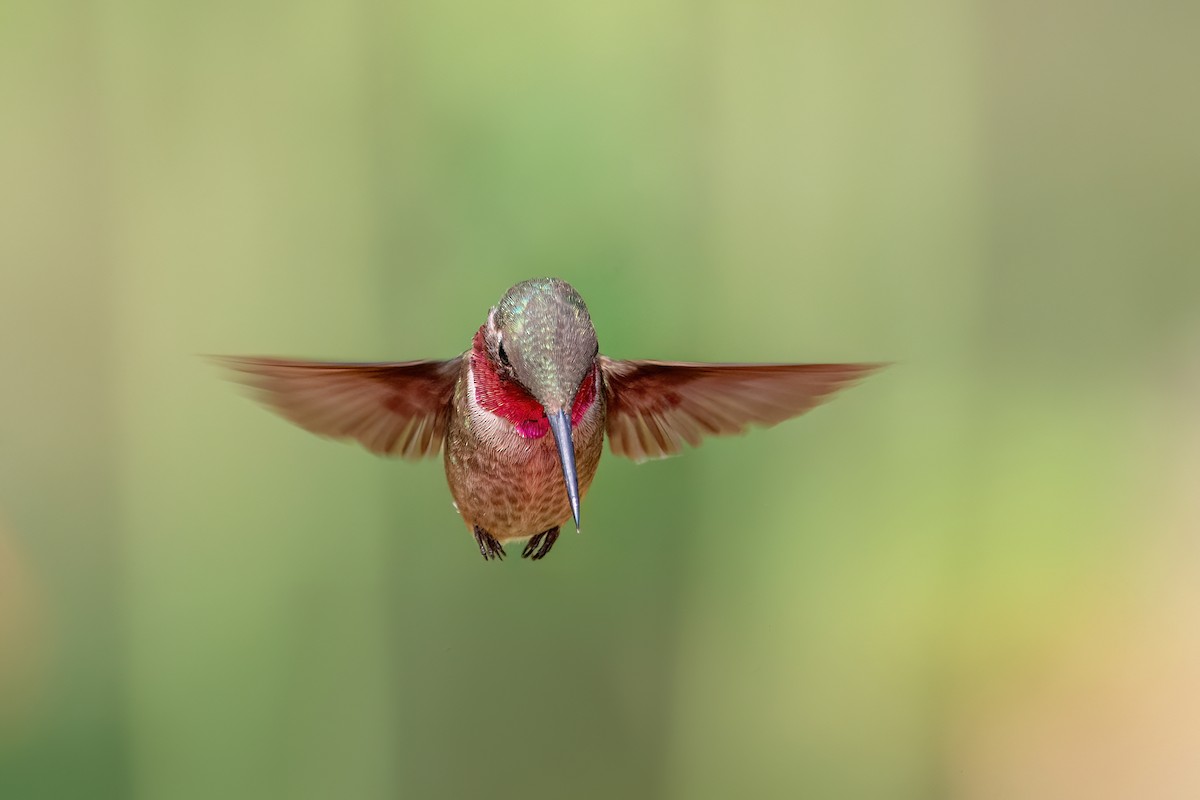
<point>58,476</point>
<point>26,635</point>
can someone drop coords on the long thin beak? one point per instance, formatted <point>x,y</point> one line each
<point>560,426</point>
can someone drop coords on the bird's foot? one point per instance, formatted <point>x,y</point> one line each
<point>489,548</point>
<point>537,546</point>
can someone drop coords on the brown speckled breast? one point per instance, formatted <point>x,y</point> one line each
<point>510,486</point>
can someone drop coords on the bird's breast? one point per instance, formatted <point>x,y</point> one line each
<point>507,481</point>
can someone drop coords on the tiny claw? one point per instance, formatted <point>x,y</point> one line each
<point>489,547</point>
<point>538,546</point>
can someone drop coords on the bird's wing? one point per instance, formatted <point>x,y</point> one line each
<point>656,406</point>
<point>395,409</point>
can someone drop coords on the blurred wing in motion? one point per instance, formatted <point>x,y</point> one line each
<point>656,406</point>
<point>396,409</point>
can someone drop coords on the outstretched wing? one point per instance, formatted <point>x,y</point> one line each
<point>656,406</point>
<point>397,409</point>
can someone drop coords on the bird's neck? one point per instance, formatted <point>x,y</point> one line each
<point>510,401</point>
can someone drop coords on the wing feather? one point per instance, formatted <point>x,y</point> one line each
<point>654,407</point>
<point>398,409</point>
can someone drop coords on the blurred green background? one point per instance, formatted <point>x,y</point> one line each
<point>977,575</point>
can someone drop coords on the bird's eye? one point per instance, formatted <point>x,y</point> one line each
<point>503,355</point>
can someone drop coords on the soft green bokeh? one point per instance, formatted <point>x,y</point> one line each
<point>975,576</point>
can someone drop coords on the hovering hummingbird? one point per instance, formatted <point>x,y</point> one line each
<point>524,411</point>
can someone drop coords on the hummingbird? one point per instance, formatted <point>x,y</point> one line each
<point>521,416</point>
